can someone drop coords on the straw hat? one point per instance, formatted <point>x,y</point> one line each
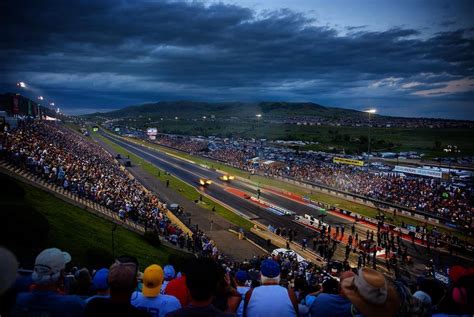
<point>371,294</point>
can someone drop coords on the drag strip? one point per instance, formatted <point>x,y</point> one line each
<point>190,174</point>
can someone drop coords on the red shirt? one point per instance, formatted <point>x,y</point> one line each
<point>178,289</point>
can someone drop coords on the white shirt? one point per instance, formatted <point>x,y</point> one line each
<point>270,300</point>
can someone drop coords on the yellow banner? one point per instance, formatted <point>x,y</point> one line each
<point>342,160</point>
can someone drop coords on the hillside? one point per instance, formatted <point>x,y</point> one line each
<point>190,109</point>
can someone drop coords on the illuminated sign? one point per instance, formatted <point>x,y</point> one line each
<point>342,160</point>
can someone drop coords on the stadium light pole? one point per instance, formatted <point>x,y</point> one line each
<point>369,111</point>
<point>259,116</point>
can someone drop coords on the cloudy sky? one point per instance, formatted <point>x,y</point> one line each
<point>404,57</point>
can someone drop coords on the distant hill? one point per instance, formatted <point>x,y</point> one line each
<point>191,109</point>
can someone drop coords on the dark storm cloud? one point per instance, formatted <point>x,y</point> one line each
<point>156,50</point>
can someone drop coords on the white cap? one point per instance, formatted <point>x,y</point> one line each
<point>49,264</point>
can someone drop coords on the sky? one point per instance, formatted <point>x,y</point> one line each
<point>410,58</point>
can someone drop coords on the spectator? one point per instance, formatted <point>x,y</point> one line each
<point>240,279</point>
<point>122,282</point>
<point>329,301</point>
<point>371,294</point>
<point>459,299</point>
<point>201,280</point>
<point>270,299</point>
<point>178,289</point>
<point>169,274</point>
<point>150,299</point>
<point>82,283</point>
<point>100,284</point>
<point>46,298</point>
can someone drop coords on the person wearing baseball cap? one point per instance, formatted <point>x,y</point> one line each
<point>169,274</point>
<point>100,284</point>
<point>270,299</point>
<point>150,299</point>
<point>122,281</point>
<point>241,278</point>
<point>46,298</point>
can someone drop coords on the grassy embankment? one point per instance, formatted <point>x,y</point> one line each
<point>34,219</point>
<point>188,191</point>
<point>262,181</point>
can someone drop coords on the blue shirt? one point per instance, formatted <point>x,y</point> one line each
<point>330,305</point>
<point>48,303</point>
<point>157,306</point>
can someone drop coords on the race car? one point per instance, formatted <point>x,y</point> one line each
<point>285,253</point>
<point>204,181</point>
<point>226,177</point>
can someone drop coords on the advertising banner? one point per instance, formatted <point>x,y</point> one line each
<point>343,160</point>
<point>418,171</point>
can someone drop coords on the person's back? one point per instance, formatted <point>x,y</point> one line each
<point>270,300</point>
<point>330,305</point>
<point>158,306</point>
<point>201,282</point>
<point>242,290</point>
<point>48,303</point>
<point>178,289</point>
<point>100,306</point>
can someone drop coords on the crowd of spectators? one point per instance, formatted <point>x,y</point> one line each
<point>439,197</point>
<point>206,285</point>
<point>66,159</point>
<point>268,286</point>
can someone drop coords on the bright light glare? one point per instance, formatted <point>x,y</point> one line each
<point>258,115</point>
<point>40,98</point>
<point>21,84</point>
<point>371,110</point>
<point>51,104</point>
